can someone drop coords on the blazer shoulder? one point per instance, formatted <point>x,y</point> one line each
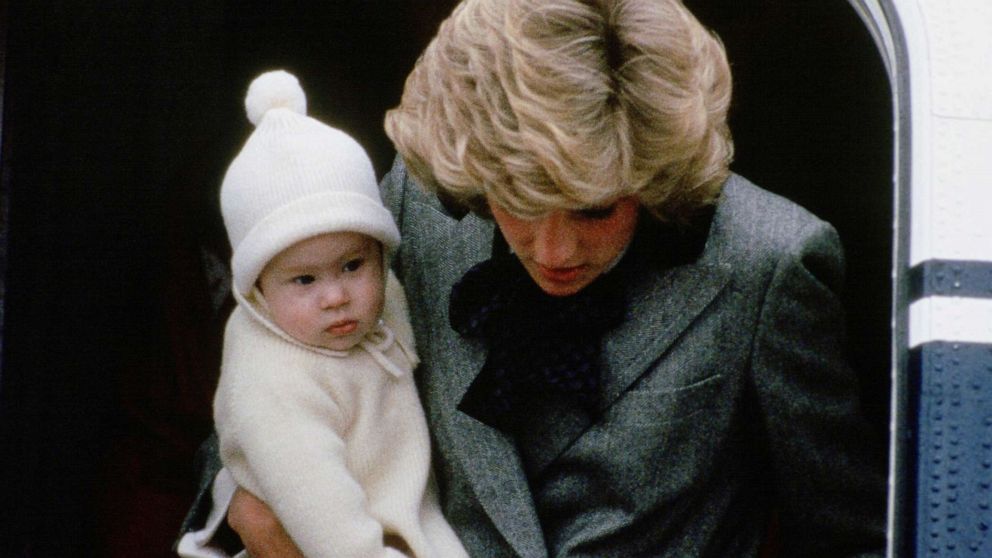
<point>754,220</point>
<point>399,188</point>
<point>756,231</point>
<point>392,188</point>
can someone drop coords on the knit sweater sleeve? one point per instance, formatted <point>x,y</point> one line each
<point>281,437</point>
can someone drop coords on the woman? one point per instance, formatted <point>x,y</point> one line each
<point>626,349</point>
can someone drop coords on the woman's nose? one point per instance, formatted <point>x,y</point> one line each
<point>555,240</point>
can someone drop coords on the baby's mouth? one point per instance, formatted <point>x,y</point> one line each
<point>342,328</point>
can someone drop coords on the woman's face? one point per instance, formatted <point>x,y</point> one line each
<point>563,251</point>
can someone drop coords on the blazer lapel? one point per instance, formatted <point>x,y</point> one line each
<point>683,274</point>
<point>488,457</point>
<point>497,476</point>
<point>661,310</point>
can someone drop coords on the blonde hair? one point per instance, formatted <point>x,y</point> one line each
<point>569,104</point>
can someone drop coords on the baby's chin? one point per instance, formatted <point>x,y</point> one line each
<point>345,342</point>
<point>340,346</point>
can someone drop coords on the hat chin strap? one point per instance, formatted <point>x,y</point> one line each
<point>376,342</point>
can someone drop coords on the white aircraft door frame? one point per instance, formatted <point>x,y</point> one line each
<point>938,54</point>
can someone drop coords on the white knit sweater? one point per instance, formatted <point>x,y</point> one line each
<point>335,443</point>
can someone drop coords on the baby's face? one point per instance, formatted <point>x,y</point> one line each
<point>326,291</point>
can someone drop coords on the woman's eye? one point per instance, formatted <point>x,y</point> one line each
<point>597,213</point>
<point>304,279</point>
<point>353,265</point>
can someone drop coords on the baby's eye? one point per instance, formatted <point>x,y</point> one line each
<point>597,213</point>
<point>353,265</point>
<point>304,279</point>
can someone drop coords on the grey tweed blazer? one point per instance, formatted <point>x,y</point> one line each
<point>726,394</point>
<point>727,404</point>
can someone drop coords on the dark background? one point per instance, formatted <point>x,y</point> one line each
<point>119,121</point>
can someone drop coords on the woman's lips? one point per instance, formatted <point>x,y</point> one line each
<point>342,328</point>
<point>560,274</point>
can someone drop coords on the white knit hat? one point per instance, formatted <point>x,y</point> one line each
<point>295,178</point>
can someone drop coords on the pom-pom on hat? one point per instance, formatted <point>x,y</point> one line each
<point>295,178</point>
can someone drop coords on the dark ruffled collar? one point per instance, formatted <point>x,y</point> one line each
<point>537,344</point>
<point>540,346</point>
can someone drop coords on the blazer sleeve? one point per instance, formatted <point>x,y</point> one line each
<point>828,463</point>
<point>207,465</point>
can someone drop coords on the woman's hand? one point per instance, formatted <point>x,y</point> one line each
<point>260,531</point>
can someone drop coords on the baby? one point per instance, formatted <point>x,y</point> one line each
<point>316,409</point>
